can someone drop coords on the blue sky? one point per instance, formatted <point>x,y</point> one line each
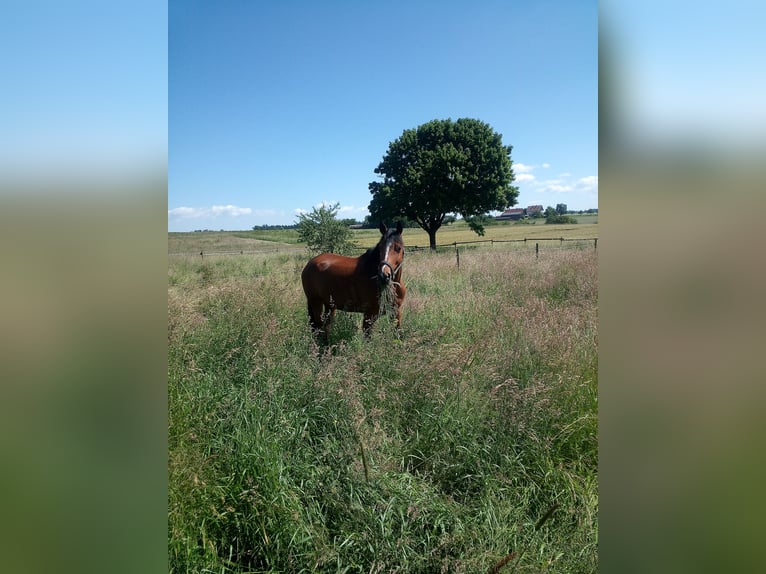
<point>275,107</point>
<point>688,72</point>
<point>84,89</point>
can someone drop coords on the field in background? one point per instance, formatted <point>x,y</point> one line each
<point>439,451</point>
<point>231,241</point>
<point>286,240</point>
<point>586,228</point>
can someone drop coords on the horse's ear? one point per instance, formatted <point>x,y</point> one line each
<point>399,227</point>
<point>383,228</point>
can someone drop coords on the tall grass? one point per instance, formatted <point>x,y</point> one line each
<point>435,451</point>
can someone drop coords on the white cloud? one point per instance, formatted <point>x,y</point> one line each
<point>553,186</point>
<point>579,192</point>
<point>564,183</point>
<point>185,212</point>
<point>230,210</point>
<point>349,211</point>
<point>523,171</point>
<point>215,210</point>
<point>589,181</point>
<point>522,168</point>
<point>558,188</point>
<point>344,211</point>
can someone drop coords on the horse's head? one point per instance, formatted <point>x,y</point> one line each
<point>391,251</point>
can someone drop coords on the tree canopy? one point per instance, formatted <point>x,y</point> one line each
<point>444,167</point>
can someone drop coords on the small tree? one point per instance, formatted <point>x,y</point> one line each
<point>322,232</point>
<point>561,208</point>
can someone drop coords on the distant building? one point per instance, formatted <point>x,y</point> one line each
<point>513,214</point>
<point>519,213</point>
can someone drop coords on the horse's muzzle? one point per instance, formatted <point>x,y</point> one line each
<point>385,273</point>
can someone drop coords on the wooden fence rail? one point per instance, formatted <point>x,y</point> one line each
<point>493,241</point>
<point>454,245</point>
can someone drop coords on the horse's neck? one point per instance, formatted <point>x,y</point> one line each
<point>368,261</point>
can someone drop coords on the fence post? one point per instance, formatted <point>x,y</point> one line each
<point>457,255</point>
<point>595,243</point>
<point>537,250</point>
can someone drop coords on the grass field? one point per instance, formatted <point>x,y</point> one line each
<point>285,240</point>
<point>437,451</point>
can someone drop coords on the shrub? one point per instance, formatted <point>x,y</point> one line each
<point>322,232</point>
<point>555,216</point>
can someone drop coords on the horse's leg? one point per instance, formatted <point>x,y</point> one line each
<point>398,316</point>
<point>315,314</point>
<point>401,291</point>
<point>315,318</point>
<point>368,322</point>
<point>329,316</point>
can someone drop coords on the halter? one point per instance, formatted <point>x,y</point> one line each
<point>385,263</point>
<point>393,270</point>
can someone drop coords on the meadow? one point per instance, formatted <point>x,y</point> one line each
<point>287,239</point>
<point>466,443</point>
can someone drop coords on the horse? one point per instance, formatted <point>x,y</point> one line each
<point>356,284</point>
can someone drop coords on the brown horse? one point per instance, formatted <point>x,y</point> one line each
<point>356,284</point>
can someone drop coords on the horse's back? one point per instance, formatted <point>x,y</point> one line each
<point>326,266</point>
<point>324,271</point>
<point>335,279</point>
<point>331,263</point>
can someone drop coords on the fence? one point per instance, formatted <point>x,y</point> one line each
<point>273,251</point>
<point>525,241</point>
<point>413,248</point>
<point>483,242</point>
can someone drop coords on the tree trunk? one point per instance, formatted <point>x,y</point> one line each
<point>431,226</point>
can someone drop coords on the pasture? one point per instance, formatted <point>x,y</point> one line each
<point>287,239</point>
<point>468,444</point>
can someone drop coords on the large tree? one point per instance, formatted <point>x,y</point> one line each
<point>444,167</point>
